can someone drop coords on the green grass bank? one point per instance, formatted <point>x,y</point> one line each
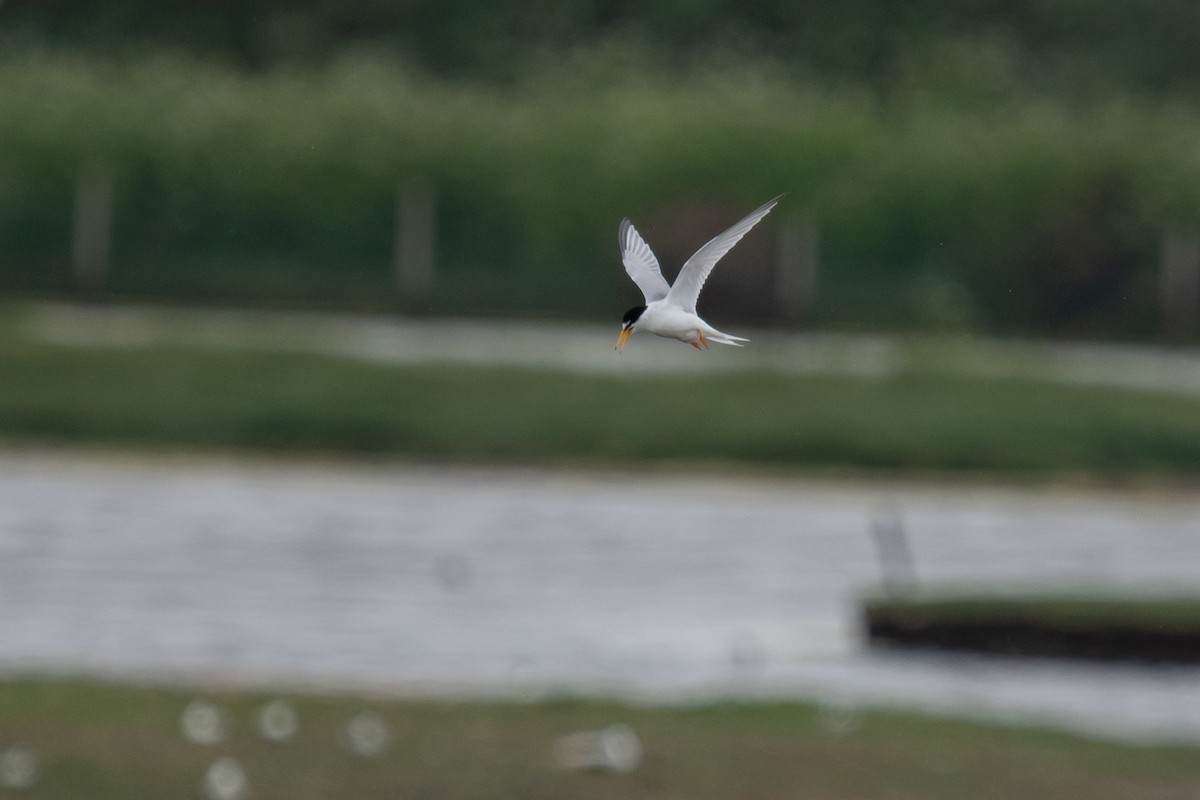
<point>911,421</point>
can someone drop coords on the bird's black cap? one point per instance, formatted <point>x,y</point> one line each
<point>631,316</point>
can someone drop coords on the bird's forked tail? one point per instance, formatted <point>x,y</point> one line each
<point>714,335</point>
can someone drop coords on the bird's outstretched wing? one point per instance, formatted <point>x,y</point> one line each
<point>695,272</point>
<point>641,264</point>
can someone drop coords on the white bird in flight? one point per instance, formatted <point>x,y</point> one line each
<point>670,311</point>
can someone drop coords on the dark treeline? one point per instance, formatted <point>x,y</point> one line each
<point>1147,45</point>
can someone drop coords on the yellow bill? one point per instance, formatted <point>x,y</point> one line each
<point>623,338</point>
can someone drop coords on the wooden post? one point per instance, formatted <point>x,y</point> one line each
<point>413,256</point>
<point>896,565</point>
<point>91,234</point>
<point>1179,284</point>
<point>797,276</point>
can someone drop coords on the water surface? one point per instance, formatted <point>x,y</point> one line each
<point>419,579</point>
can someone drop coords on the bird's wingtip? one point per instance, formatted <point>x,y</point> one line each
<point>623,230</point>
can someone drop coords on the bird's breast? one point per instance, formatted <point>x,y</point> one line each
<point>670,321</point>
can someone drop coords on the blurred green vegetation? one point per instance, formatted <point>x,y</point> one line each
<point>107,741</point>
<point>981,166</point>
<point>915,420</point>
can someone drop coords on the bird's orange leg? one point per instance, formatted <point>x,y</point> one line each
<point>703,341</point>
<point>695,345</point>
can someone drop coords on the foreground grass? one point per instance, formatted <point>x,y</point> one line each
<point>102,741</point>
<point>912,421</point>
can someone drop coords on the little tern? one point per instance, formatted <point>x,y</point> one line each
<point>670,311</point>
